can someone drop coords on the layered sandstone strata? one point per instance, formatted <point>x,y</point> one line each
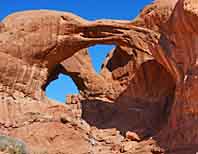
<point>147,84</point>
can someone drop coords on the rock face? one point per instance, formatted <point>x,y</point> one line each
<point>143,101</point>
<point>90,84</point>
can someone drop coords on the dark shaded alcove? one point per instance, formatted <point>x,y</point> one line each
<point>144,106</point>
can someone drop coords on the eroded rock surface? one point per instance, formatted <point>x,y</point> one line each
<point>143,101</point>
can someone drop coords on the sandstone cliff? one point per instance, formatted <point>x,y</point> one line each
<point>143,101</point>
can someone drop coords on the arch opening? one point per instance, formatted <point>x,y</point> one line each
<point>59,85</point>
<point>67,78</point>
<point>98,53</point>
<point>60,88</point>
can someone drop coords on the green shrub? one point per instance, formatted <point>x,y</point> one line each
<point>12,145</point>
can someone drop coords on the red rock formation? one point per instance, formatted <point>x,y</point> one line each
<point>90,84</point>
<point>147,84</point>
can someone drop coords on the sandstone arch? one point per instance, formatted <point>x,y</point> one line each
<point>32,43</point>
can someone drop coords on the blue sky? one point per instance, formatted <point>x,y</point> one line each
<point>88,9</point>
